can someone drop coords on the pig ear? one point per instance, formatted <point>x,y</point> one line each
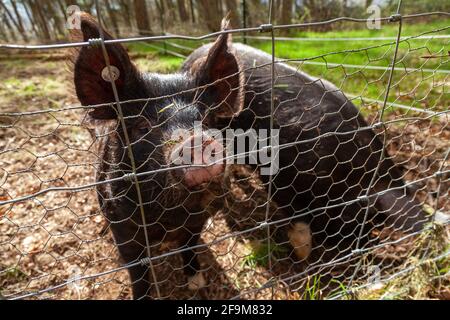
<point>221,71</point>
<point>92,87</point>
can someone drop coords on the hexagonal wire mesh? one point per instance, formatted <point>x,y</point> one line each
<point>360,196</point>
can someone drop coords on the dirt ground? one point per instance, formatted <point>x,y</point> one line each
<point>60,236</point>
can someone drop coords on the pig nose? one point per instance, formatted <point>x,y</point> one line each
<point>206,156</point>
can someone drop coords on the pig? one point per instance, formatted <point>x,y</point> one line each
<point>172,200</point>
<point>329,159</point>
<point>325,166</point>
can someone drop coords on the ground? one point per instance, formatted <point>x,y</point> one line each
<point>59,236</point>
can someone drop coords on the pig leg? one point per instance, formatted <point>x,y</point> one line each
<point>301,239</point>
<point>139,274</point>
<point>131,252</point>
<point>196,279</point>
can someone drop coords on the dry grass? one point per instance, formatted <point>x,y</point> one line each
<point>427,269</point>
<point>60,235</point>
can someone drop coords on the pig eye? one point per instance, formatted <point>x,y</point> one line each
<point>142,127</point>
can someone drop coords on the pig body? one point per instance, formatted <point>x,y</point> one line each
<point>334,157</point>
<point>171,213</point>
<point>149,201</point>
<point>145,191</point>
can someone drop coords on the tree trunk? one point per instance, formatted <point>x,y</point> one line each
<point>126,7</point>
<point>208,13</point>
<point>9,28</point>
<point>172,12</point>
<point>320,10</point>
<point>219,9</point>
<point>36,9</point>
<point>85,5</point>
<point>18,25</point>
<point>52,14</point>
<point>3,33</point>
<point>19,21</point>
<point>162,13</point>
<point>182,11</point>
<point>31,20</point>
<point>232,6</point>
<point>112,17</point>
<point>257,12</point>
<point>191,6</point>
<point>63,9</point>
<point>286,14</point>
<point>140,12</point>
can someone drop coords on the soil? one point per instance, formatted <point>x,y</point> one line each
<point>59,236</point>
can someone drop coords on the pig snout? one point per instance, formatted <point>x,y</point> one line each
<point>205,155</point>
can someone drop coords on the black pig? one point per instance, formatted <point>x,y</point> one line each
<point>222,85</point>
<point>324,177</point>
<point>173,201</point>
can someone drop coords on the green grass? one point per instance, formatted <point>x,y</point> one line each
<point>312,289</point>
<point>308,49</point>
<point>15,89</point>
<point>428,278</point>
<point>156,60</point>
<point>341,290</point>
<point>13,275</point>
<point>28,80</point>
<point>417,89</point>
<point>259,254</point>
<point>161,64</point>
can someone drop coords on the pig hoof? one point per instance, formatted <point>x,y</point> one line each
<point>196,282</point>
<point>301,240</point>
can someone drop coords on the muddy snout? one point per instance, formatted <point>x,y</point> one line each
<point>201,158</point>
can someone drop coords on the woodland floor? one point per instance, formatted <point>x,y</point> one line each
<point>57,236</point>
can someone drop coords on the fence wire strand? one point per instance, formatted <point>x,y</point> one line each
<point>247,243</point>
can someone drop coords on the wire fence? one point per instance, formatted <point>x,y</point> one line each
<point>358,201</point>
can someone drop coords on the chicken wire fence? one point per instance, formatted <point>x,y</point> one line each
<point>55,162</point>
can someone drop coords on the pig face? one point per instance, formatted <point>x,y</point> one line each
<point>157,113</point>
